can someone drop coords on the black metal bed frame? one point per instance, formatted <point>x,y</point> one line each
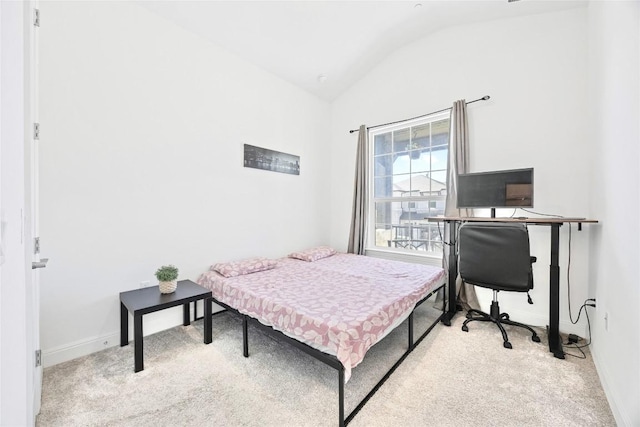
<point>333,360</point>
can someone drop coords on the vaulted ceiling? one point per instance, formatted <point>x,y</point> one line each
<point>326,46</point>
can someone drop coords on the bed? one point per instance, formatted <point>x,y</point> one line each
<point>333,306</point>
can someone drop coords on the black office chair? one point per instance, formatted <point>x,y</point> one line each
<point>496,256</point>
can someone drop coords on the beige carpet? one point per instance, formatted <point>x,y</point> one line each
<point>453,378</point>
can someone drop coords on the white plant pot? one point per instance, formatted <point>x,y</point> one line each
<point>168,287</point>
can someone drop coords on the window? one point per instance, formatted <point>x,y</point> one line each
<point>409,164</point>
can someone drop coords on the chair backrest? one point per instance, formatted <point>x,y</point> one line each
<point>495,255</point>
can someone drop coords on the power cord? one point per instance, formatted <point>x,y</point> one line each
<point>588,303</point>
<point>541,214</point>
<point>442,238</point>
<point>569,280</point>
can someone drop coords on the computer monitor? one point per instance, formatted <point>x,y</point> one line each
<point>496,189</point>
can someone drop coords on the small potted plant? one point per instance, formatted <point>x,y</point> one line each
<point>167,276</point>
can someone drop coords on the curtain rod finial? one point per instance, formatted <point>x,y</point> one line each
<point>486,97</point>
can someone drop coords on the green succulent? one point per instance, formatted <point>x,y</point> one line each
<point>167,273</point>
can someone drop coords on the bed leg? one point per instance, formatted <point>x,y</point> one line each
<point>245,337</point>
<point>341,397</point>
<point>411,331</point>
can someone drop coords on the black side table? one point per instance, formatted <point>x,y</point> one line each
<point>148,300</point>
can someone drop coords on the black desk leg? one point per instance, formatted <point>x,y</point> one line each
<point>137,336</point>
<point>186,315</point>
<point>124,325</point>
<point>450,293</point>
<point>207,321</point>
<point>555,343</point>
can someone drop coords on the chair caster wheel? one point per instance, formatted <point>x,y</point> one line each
<point>507,344</point>
<point>465,328</point>
<point>535,338</point>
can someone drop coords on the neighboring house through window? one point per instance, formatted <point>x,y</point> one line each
<point>409,164</point>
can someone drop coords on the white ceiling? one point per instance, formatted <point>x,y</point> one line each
<point>301,40</point>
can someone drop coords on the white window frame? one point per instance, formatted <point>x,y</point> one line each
<point>424,256</point>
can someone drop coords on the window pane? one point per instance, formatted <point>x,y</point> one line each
<point>436,207</point>
<point>383,186</point>
<point>439,159</point>
<point>441,178</point>
<point>400,140</point>
<point>387,213</point>
<point>420,136</point>
<point>401,164</point>
<point>421,182</point>
<point>383,165</point>
<point>440,133</point>
<point>420,161</point>
<point>419,145</point>
<point>382,143</point>
<point>401,184</point>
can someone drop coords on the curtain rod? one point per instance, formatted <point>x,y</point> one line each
<point>484,98</point>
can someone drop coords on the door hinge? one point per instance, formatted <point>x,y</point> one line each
<point>36,245</point>
<point>36,17</point>
<point>36,131</point>
<point>38,358</point>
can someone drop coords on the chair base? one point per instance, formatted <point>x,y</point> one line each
<point>498,319</point>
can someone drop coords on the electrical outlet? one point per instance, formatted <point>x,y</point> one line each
<point>144,283</point>
<point>106,343</point>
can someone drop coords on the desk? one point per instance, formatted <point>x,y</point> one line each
<point>555,342</point>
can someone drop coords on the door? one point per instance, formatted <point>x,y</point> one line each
<point>33,206</point>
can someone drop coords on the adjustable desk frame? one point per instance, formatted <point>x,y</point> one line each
<point>555,342</point>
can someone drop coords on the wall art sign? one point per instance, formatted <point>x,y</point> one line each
<point>270,160</point>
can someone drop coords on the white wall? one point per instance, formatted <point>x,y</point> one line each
<point>534,70</point>
<point>614,61</point>
<point>143,126</point>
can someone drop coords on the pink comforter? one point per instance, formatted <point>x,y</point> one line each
<point>342,304</point>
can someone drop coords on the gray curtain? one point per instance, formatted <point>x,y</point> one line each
<point>358,230</point>
<point>458,163</point>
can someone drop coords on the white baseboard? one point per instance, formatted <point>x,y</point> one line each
<point>152,323</point>
<point>603,375</point>
<point>77,349</point>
